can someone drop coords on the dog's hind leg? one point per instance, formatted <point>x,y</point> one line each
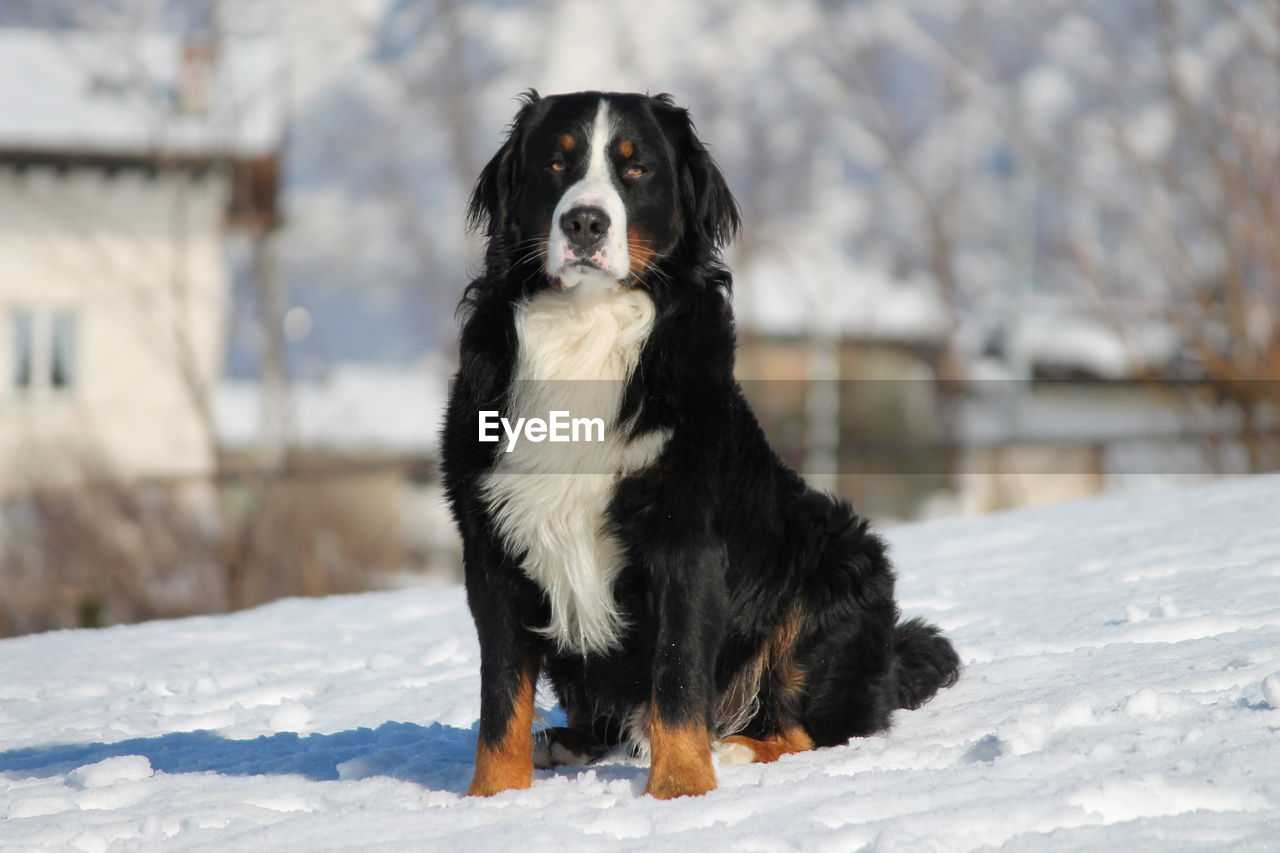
<point>564,745</point>
<point>779,683</point>
<point>737,749</point>
<point>575,744</point>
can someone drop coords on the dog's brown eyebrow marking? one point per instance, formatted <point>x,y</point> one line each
<point>626,148</point>
<point>567,142</point>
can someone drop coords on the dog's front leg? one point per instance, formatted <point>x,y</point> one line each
<point>509,664</point>
<point>689,606</point>
<point>504,747</point>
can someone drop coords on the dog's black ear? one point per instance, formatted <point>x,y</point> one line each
<point>492,200</point>
<point>709,206</point>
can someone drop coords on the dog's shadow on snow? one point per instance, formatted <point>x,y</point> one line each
<point>437,757</point>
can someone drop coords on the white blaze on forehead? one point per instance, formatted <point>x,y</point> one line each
<point>598,165</point>
<point>597,188</point>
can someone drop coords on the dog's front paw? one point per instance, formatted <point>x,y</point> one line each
<point>501,770</point>
<point>681,763</point>
<point>694,783</point>
<point>490,787</point>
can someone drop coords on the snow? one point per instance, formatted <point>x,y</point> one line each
<point>1054,336</point>
<point>1121,692</point>
<point>777,295</point>
<point>358,407</point>
<point>117,93</point>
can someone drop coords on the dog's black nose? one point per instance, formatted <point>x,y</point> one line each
<point>584,225</point>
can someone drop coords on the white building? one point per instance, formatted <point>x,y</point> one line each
<point>126,162</point>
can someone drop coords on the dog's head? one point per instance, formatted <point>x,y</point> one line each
<point>601,188</point>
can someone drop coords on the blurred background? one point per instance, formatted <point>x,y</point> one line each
<point>995,255</point>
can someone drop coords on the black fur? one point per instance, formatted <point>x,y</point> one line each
<point>723,543</point>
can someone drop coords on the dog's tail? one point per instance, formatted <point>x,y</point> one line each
<point>925,663</point>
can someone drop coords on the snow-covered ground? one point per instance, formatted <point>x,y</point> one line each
<point>1121,692</point>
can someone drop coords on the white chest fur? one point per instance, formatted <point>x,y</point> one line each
<point>576,352</point>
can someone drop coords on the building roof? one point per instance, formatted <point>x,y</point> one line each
<point>370,408</point>
<point>802,293</point>
<point>129,95</point>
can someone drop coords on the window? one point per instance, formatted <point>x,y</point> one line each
<point>22,354</point>
<point>43,350</point>
<point>62,351</point>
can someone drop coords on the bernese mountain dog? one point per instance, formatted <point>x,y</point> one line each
<point>628,533</point>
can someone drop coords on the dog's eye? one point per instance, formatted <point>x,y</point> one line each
<point>635,171</point>
<point>556,166</point>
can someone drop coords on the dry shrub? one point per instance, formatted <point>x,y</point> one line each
<point>84,547</point>
<point>101,551</point>
<point>308,531</point>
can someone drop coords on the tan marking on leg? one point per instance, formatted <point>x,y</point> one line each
<point>508,764</point>
<point>773,747</point>
<point>774,664</point>
<point>788,676</point>
<point>740,701</point>
<point>681,763</point>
